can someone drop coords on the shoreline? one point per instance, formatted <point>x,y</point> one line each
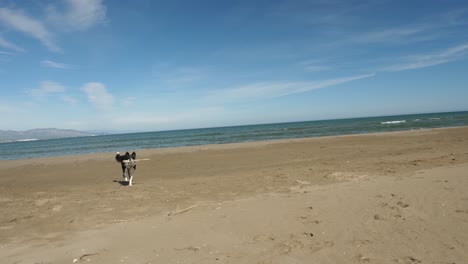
<point>98,155</point>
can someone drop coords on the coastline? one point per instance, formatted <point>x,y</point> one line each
<point>255,201</point>
<point>259,143</point>
<point>226,135</point>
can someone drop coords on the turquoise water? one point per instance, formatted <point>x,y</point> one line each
<point>221,135</point>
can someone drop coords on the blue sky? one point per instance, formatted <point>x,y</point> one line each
<point>160,65</point>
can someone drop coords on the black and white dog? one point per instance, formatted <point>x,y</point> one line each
<point>128,165</point>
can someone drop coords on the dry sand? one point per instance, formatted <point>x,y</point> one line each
<point>378,198</point>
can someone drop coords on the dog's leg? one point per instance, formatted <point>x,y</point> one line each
<point>125,175</point>
<point>124,172</point>
<point>130,175</point>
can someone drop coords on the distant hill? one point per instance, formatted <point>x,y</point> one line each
<point>41,133</point>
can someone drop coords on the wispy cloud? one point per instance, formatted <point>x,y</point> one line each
<point>53,64</point>
<point>7,109</point>
<point>279,89</point>
<point>323,13</point>
<point>390,35</point>
<point>426,60</point>
<point>425,29</point>
<point>152,121</point>
<point>184,76</point>
<point>316,68</point>
<point>78,14</point>
<point>456,17</point>
<point>314,65</point>
<point>47,88</point>
<point>129,101</point>
<point>69,100</point>
<point>98,95</point>
<point>17,20</point>
<point>174,77</point>
<point>8,45</point>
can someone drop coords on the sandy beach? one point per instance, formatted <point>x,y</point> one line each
<point>399,197</point>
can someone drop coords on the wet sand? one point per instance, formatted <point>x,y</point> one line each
<point>397,197</point>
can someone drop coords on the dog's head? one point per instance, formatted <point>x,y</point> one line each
<point>127,156</point>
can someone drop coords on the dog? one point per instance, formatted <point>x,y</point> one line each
<point>128,165</point>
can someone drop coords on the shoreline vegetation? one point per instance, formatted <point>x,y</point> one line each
<point>391,197</point>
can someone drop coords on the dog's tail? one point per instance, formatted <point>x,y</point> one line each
<point>119,157</point>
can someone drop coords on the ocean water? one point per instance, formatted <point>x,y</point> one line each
<point>221,135</point>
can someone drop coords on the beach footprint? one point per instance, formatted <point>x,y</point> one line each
<point>304,242</point>
<point>308,217</point>
<point>264,237</point>
<point>362,258</point>
<point>393,207</point>
<point>308,220</point>
<point>407,260</point>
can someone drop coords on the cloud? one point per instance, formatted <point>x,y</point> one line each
<point>49,88</point>
<point>78,14</point>
<point>422,61</point>
<point>8,45</point>
<point>455,17</point>
<point>278,89</point>
<point>129,101</point>
<point>426,29</point>
<point>154,119</point>
<point>392,34</point>
<point>52,64</point>
<point>7,109</point>
<point>178,76</point>
<point>316,68</point>
<point>98,95</point>
<point>318,12</point>
<point>46,88</point>
<point>69,100</point>
<point>314,65</point>
<point>171,120</point>
<point>17,20</point>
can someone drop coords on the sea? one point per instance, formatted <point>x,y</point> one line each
<point>221,135</point>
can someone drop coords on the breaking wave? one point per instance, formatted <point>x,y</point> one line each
<point>393,122</point>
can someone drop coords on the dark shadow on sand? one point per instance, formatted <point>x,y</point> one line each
<point>123,183</point>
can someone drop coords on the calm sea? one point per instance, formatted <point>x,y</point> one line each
<point>191,137</point>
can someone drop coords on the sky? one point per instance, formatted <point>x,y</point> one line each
<point>147,65</point>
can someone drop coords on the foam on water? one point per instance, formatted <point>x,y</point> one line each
<point>28,139</point>
<point>393,122</point>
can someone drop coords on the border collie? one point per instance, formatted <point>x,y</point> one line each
<point>128,165</point>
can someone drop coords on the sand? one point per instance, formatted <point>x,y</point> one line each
<point>398,197</point>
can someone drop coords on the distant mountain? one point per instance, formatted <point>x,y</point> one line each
<point>41,133</point>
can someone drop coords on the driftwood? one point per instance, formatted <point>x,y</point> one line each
<point>126,161</point>
<point>182,210</point>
